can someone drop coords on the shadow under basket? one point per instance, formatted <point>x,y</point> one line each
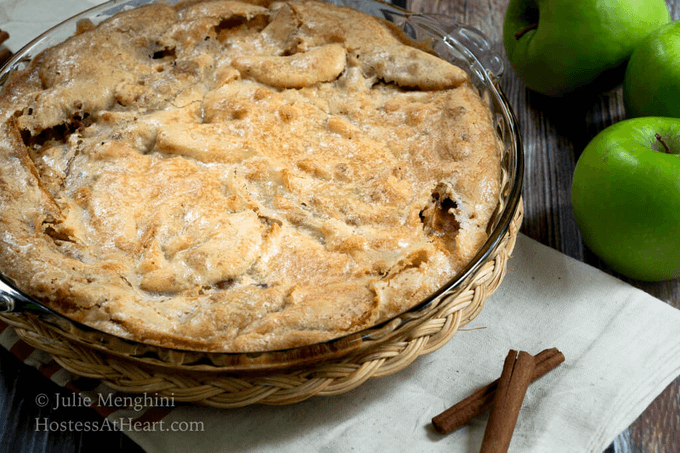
<point>207,384</point>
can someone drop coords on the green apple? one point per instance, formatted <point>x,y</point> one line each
<point>561,46</point>
<point>652,82</point>
<point>626,197</point>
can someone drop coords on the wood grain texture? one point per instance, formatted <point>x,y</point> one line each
<point>555,132</point>
<point>20,386</point>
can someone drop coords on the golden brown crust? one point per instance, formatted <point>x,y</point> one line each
<point>240,176</point>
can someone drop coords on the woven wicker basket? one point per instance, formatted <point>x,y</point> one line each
<point>279,378</point>
<point>199,385</point>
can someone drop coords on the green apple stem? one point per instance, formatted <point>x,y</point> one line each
<point>660,139</point>
<point>524,31</point>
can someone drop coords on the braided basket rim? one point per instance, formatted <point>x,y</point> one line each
<point>279,388</point>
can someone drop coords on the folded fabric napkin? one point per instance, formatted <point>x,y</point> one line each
<point>622,349</point>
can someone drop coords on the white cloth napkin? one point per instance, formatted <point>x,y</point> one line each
<point>622,349</point>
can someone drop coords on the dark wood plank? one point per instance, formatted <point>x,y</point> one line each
<point>29,428</point>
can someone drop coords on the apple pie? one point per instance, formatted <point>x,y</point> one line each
<point>234,176</point>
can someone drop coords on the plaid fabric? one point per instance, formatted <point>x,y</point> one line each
<point>125,407</point>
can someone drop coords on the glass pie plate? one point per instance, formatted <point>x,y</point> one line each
<point>331,367</point>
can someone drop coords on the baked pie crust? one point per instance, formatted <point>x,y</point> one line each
<point>231,176</point>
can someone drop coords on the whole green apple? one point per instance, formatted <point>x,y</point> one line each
<point>561,46</point>
<point>651,86</point>
<point>626,197</point>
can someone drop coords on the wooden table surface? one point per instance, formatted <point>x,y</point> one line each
<point>554,132</point>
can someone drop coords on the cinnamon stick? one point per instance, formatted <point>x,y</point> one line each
<point>512,386</point>
<point>477,403</point>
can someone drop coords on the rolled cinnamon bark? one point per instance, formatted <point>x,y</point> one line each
<point>477,403</point>
<point>512,386</point>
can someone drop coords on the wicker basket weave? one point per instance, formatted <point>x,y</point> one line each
<point>330,378</point>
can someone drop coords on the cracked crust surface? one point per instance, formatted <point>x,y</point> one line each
<point>234,176</point>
